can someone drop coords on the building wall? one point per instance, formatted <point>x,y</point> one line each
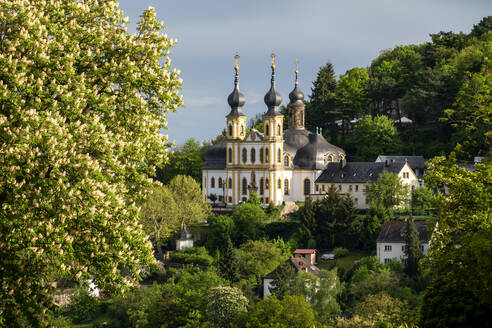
<point>396,252</point>
<point>267,284</point>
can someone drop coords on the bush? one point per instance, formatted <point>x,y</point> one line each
<point>340,252</point>
<point>193,255</point>
<point>83,305</point>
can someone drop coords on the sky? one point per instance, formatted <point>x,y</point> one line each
<point>349,33</point>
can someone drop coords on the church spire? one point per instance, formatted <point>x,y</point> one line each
<point>296,107</point>
<point>273,98</point>
<point>236,99</point>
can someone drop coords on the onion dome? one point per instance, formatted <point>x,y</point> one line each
<point>296,96</point>
<point>236,99</point>
<point>273,98</point>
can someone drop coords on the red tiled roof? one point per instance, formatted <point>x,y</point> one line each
<point>304,251</point>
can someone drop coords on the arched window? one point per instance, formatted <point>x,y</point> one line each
<point>230,155</point>
<point>230,130</point>
<point>267,155</point>
<point>279,184</point>
<point>212,182</point>
<point>266,184</point>
<point>229,183</point>
<point>267,130</point>
<point>301,120</point>
<point>279,155</point>
<point>253,155</point>
<point>307,187</point>
<point>261,155</point>
<point>286,160</point>
<point>245,155</point>
<point>245,186</point>
<point>261,186</point>
<point>279,130</point>
<point>242,130</point>
<point>286,186</point>
<point>253,178</point>
<point>220,182</point>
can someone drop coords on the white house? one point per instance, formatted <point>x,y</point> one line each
<point>391,239</point>
<point>352,177</point>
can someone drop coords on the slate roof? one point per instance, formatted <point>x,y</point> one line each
<point>394,231</point>
<point>215,156</point>
<point>414,161</point>
<point>357,172</point>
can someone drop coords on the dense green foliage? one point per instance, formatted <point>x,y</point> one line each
<point>82,103</point>
<point>186,159</point>
<point>460,258</point>
<point>413,251</point>
<point>225,304</point>
<point>192,255</point>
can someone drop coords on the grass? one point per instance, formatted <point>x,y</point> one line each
<point>345,262</point>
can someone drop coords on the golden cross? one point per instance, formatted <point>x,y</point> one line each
<point>297,71</point>
<point>236,57</point>
<point>273,59</point>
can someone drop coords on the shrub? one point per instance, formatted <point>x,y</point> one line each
<point>192,255</point>
<point>83,305</point>
<point>340,252</point>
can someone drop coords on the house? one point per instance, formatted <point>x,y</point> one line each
<point>417,163</point>
<point>299,262</point>
<point>351,178</point>
<point>391,239</point>
<point>309,255</point>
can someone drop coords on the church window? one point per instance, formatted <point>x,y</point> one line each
<point>279,130</point>
<point>261,155</point>
<point>267,155</point>
<point>220,182</point>
<point>301,121</point>
<point>245,155</point>
<point>261,186</point>
<point>229,184</point>
<point>267,185</point>
<point>253,178</point>
<point>212,182</point>
<point>230,130</point>
<point>242,130</point>
<point>253,155</point>
<point>286,160</point>
<point>245,186</point>
<point>267,130</point>
<point>230,155</point>
<point>286,186</point>
<point>279,155</point>
<point>279,184</point>
<point>307,187</point>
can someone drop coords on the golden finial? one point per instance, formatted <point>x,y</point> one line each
<point>297,70</point>
<point>273,59</point>
<point>236,65</point>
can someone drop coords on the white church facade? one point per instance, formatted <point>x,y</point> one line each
<point>279,164</point>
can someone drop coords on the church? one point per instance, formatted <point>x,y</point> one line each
<point>279,164</point>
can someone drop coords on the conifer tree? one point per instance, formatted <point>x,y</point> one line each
<point>228,263</point>
<point>308,222</point>
<point>412,249</point>
<point>284,280</point>
<point>322,107</point>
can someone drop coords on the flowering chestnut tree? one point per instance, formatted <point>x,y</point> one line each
<point>81,105</point>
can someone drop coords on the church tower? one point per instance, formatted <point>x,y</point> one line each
<point>236,120</point>
<point>273,138</point>
<point>296,107</point>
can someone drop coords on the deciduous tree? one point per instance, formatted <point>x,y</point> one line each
<point>224,305</point>
<point>81,106</point>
